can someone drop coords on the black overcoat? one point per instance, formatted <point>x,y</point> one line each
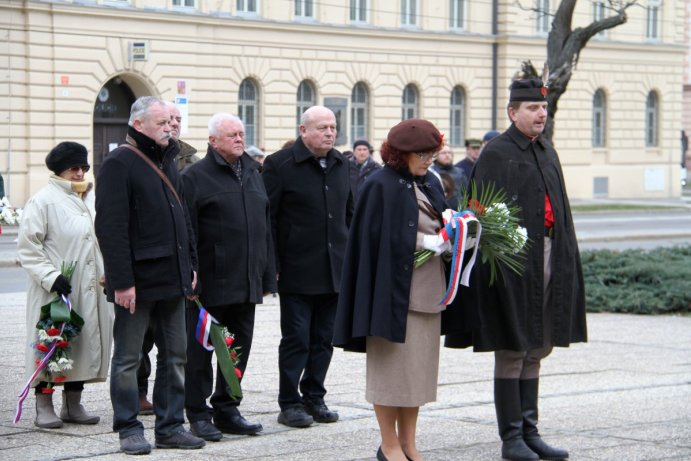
<point>311,209</point>
<point>232,223</point>
<point>510,311</point>
<point>145,235</point>
<point>379,263</point>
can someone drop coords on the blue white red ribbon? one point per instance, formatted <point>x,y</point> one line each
<point>456,229</point>
<point>204,327</point>
<point>40,367</point>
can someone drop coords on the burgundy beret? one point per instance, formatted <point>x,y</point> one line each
<point>415,135</point>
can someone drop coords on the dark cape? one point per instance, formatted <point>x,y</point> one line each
<point>510,311</point>
<point>379,259</point>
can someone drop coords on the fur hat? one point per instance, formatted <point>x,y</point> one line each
<point>66,155</point>
<point>531,89</point>
<point>415,135</point>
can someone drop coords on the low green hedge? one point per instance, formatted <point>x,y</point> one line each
<point>638,281</point>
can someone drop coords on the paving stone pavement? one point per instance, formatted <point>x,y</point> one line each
<point>624,395</point>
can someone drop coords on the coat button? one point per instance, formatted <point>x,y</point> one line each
<point>406,267</point>
<point>411,224</point>
<point>514,197</point>
<point>329,244</point>
<point>326,187</point>
<point>330,216</point>
<point>539,211</point>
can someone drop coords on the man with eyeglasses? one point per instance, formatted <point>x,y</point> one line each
<point>311,206</point>
<point>146,238</point>
<point>443,165</point>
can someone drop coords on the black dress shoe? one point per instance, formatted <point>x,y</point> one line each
<point>205,430</point>
<point>295,417</point>
<point>320,412</point>
<point>237,424</point>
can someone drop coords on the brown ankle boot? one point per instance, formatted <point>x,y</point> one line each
<point>72,410</point>
<point>45,414</point>
<point>145,407</point>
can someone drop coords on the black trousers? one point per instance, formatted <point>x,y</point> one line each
<point>304,354</point>
<point>199,379</point>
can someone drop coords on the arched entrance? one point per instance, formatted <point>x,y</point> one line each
<point>111,113</point>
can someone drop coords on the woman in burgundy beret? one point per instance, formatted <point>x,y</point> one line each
<point>388,307</point>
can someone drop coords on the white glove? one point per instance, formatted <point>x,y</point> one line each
<point>470,243</point>
<point>434,243</point>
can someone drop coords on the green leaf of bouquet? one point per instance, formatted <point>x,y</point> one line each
<point>225,362</point>
<point>59,311</point>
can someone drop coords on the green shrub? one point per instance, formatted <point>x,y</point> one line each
<point>638,281</point>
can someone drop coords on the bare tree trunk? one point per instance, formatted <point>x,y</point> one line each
<point>564,46</point>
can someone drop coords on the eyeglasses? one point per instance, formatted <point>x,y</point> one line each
<point>84,168</point>
<point>427,157</point>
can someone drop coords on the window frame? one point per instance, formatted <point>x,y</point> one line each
<point>410,12</point>
<point>458,8</point>
<point>359,11</point>
<point>599,127</point>
<point>251,126</point>
<point>301,105</point>
<point>542,23</point>
<point>652,119</point>
<point>183,6</point>
<point>653,24</point>
<point>359,123</point>
<point>301,7</point>
<point>407,106</point>
<point>457,116</point>
<point>242,7</point>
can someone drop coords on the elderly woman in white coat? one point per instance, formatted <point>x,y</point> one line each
<point>58,226</point>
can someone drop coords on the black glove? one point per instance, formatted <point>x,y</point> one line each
<point>62,286</point>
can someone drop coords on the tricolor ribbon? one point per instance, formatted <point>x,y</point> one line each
<point>41,366</point>
<point>204,328</point>
<point>456,229</point>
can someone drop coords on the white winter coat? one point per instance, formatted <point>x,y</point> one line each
<point>58,226</point>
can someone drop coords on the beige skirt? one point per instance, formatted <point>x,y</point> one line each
<point>405,374</point>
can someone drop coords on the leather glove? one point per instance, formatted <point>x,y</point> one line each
<point>434,243</point>
<point>61,286</point>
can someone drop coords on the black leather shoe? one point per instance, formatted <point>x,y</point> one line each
<point>380,455</point>
<point>295,417</point>
<point>237,424</point>
<point>320,412</point>
<point>205,430</point>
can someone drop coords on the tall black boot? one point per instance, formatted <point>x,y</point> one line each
<point>529,391</point>
<point>507,402</point>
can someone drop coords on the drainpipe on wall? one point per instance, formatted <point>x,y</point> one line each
<point>495,59</point>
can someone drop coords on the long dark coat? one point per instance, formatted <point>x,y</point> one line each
<point>311,209</point>
<point>379,263</point>
<point>510,311</point>
<point>232,223</point>
<point>145,235</point>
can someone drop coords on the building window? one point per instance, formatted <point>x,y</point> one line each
<point>409,107</point>
<point>652,20</point>
<point>409,12</point>
<point>246,6</point>
<point>599,112</point>
<point>651,120</point>
<point>305,100</point>
<point>543,16</point>
<point>358,10</point>
<point>359,102</point>
<point>457,14</point>
<point>304,8</point>
<point>456,116</point>
<point>599,15</point>
<point>184,3</point>
<point>248,110</point>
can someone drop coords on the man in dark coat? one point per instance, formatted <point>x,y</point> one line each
<point>444,164</point>
<point>311,206</point>
<point>146,238</point>
<point>362,165</point>
<point>230,215</point>
<point>521,317</point>
<point>185,156</point>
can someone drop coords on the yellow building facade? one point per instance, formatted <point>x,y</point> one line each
<point>72,68</point>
